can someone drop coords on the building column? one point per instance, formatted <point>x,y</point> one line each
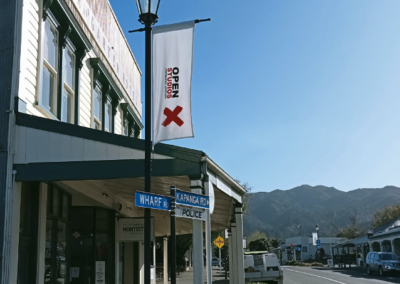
<point>234,264</point>
<point>230,251</point>
<point>240,250</point>
<point>165,261</point>
<point>371,248</point>
<point>381,245</point>
<point>198,259</point>
<point>392,244</point>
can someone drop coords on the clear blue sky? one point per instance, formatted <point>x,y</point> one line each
<point>292,92</point>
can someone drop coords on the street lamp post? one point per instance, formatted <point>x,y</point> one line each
<point>148,17</point>
<point>317,229</point>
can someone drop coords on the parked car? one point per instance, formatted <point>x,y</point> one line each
<point>215,261</point>
<point>382,262</point>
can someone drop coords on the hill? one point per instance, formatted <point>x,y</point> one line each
<point>278,213</point>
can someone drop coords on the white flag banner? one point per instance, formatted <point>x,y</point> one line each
<point>314,239</point>
<point>172,79</point>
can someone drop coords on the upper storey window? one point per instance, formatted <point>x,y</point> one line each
<point>48,97</point>
<point>67,103</point>
<point>97,107</point>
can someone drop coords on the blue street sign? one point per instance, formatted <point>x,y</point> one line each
<point>153,201</point>
<point>318,244</point>
<point>297,248</point>
<point>192,199</point>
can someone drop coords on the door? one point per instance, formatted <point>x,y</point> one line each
<point>27,250</point>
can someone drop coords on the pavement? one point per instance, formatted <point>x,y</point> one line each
<point>186,277</point>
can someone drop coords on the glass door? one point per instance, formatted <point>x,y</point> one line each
<point>57,232</point>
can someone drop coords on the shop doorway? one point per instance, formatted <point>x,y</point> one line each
<point>28,232</point>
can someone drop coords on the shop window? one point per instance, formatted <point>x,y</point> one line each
<point>48,94</point>
<point>92,245</point>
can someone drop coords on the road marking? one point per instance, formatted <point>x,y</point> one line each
<point>315,276</point>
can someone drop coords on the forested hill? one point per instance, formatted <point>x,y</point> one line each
<point>278,213</point>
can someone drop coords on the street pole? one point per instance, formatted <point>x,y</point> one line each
<point>219,261</point>
<point>173,236</point>
<point>147,171</point>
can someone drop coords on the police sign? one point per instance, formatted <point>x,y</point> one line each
<point>196,214</point>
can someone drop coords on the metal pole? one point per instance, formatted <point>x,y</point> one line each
<point>219,261</point>
<point>173,236</point>
<point>147,171</point>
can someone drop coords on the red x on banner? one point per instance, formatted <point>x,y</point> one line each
<point>172,116</point>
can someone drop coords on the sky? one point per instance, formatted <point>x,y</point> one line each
<point>291,92</point>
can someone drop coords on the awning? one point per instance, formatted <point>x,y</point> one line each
<point>101,168</point>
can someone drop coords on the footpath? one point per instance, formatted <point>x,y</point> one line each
<point>186,277</point>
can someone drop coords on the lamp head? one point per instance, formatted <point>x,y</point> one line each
<point>148,11</point>
<point>317,227</point>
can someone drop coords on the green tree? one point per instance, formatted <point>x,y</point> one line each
<point>247,196</point>
<point>256,236</point>
<point>259,245</point>
<point>385,215</point>
<point>274,243</point>
<point>352,231</point>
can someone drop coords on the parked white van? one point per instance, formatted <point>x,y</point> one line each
<point>262,267</point>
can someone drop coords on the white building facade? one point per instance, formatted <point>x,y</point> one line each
<point>71,157</point>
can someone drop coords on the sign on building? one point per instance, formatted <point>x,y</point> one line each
<point>132,229</point>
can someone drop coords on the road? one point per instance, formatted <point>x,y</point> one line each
<point>316,275</point>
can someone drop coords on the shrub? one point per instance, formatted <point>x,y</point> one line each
<point>317,264</point>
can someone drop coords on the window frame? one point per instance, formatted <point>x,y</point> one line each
<point>65,87</point>
<point>39,104</point>
<point>97,121</point>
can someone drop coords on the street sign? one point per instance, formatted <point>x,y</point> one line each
<point>192,199</point>
<point>318,244</point>
<point>219,242</point>
<point>153,201</point>
<point>297,248</point>
<point>197,214</point>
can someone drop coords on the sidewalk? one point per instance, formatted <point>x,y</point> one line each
<point>187,277</point>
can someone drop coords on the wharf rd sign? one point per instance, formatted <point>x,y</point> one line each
<point>192,199</point>
<point>153,201</point>
<point>219,242</point>
<point>197,214</point>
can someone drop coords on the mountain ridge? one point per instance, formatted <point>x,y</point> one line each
<point>279,212</point>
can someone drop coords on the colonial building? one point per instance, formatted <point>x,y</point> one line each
<point>71,157</point>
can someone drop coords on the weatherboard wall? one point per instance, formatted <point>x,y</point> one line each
<point>31,68</point>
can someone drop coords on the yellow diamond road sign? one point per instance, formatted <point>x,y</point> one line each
<point>219,242</point>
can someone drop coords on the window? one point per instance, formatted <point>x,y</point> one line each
<point>48,94</point>
<point>67,103</point>
<point>108,116</point>
<point>125,128</point>
<point>97,106</point>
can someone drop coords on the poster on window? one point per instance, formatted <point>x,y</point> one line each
<point>172,79</point>
<point>100,272</point>
<point>132,229</point>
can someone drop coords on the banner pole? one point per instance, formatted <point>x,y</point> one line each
<point>148,146</point>
<point>173,236</point>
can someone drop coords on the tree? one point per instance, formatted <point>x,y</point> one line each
<point>274,243</point>
<point>256,236</point>
<point>259,245</point>
<point>352,231</point>
<point>385,215</point>
<point>247,197</point>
